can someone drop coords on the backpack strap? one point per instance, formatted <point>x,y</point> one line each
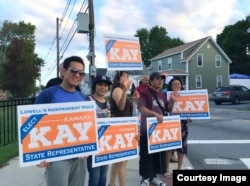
<point>158,102</point>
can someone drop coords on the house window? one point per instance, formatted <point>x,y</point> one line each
<point>217,61</point>
<point>198,81</point>
<point>169,63</point>
<point>199,60</point>
<point>218,81</point>
<point>159,65</point>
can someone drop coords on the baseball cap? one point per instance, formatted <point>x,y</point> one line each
<point>102,78</point>
<point>156,75</point>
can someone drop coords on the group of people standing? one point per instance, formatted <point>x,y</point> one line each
<point>153,102</point>
<point>150,101</point>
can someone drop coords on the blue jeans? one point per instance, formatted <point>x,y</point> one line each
<point>97,175</point>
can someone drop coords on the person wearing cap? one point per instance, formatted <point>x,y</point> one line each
<point>101,85</point>
<point>121,106</point>
<point>152,165</point>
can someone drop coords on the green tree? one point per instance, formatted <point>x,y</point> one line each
<point>20,66</point>
<point>234,40</point>
<point>155,41</point>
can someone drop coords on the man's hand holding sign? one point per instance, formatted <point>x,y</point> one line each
<point>58,128</point>
<point>72,134</point>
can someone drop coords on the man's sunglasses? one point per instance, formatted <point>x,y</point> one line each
<point>76,71</point>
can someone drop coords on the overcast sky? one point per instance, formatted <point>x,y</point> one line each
<point>186,19</point>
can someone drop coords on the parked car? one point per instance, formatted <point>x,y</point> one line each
<point>231,93</point>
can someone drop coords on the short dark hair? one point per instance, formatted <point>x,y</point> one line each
<point>68,60</point>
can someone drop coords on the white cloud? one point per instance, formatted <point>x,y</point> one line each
<point>187,19</point>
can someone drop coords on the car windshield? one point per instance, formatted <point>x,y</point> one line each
<point>245,89</point>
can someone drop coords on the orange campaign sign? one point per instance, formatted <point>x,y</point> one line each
<point>56,131</point>
<point>191,104</point>
<point>122,52</point>
<point>117,140</point>
<point>164,136</point>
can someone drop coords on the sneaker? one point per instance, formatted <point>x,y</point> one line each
<point>145,183</point>
<point>158,182</point>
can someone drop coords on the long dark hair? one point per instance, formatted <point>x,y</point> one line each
<point>171,82</point>
<point>116,82</point>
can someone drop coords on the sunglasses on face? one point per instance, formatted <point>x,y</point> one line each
<point>76,71</point>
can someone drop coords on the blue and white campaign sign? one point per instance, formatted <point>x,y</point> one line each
<point>117,140</point>
<point>164,136</point>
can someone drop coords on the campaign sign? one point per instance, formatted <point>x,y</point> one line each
<point>192,104</point>
<point>164,136</point>
<point>122,52</point>
<point>117,140</point>
<point>56,131</point>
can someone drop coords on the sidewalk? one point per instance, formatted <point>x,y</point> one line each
<point>13,175</point>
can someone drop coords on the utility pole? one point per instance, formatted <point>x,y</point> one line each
<point>91,55</point>
<point>57,47</point>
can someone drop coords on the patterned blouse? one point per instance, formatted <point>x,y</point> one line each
<point>102,109</point>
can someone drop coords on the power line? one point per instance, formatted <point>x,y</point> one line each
<point>66,9</point>
<point>66,39</point>
<point>81,9</point>
<point>73,27</point>
<point>69,36</point>
<point>69,42</point>
<point>68,18</point>
<point>52,47</point>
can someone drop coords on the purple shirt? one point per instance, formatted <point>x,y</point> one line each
<point>147,100</point>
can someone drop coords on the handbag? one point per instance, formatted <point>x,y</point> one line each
<point>158,102</point>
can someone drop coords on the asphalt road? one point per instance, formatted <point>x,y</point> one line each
<point>244,105</point>
<point>223,141</point>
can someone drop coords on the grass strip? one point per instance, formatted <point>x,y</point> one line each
<point>8,152</point>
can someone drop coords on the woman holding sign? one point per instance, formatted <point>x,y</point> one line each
<point>98,175</point>
<point>121,106</point>
<point>175,85</point>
